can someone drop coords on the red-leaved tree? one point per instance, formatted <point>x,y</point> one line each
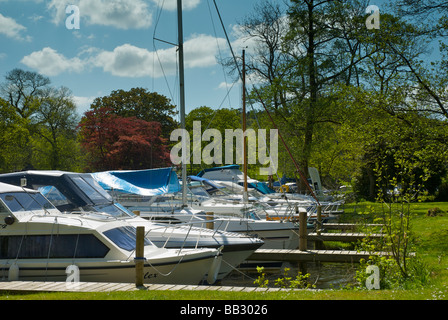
<point>117,143</point>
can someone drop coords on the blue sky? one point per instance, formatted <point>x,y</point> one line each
<point>114,48</point>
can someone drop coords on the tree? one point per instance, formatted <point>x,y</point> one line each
<point>20,89</point>
<point>299,57</point>
<point>208,118</point>
<point>143,105</point>
<point>55,126</point>
<point>114,142</point>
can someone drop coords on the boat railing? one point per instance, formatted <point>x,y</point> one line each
<point>56,217</point>
<point>194,230</point>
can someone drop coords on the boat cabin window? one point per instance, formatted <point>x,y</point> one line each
<point>92,189</point>
<point>3,209</point>
<point>200,192</point>
<point>54,196</point>
<point>52,246</point>
<point>124,237</point>
<point>24,201</point>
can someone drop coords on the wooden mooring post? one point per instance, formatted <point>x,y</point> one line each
<point>209,216</point>
<point>139,257</point>
<point>302,230</point>
<point>318,245</point>
<point>302,237</point>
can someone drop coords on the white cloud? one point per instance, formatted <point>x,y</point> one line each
<point>201,50</point>
<point>130,61</point>
<point>83,103</point>
<point>172,4</point>
<point>126,61</point>
<point>51,63</point>
<point>12,29</point>
<point>121,14</point>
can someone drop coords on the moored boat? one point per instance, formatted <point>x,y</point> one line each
<point>39,243</point>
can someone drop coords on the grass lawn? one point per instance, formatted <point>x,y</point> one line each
<point>431,247</point>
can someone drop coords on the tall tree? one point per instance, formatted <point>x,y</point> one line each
<point>300,54</point>
<point>142,104</point>
<point>40,123</point>
<point>114,142</point>
<point>55,121</point>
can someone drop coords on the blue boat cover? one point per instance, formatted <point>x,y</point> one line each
<point>208,182</point>
<point>150,182</point>
<point>262,187</point>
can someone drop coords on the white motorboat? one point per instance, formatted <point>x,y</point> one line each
<point>77,193</point>
<point>39,243</point>
<point>276,205</point>
<point>145,191</point>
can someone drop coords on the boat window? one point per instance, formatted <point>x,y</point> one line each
<point>62,246</point>
<point>115,210</point>
<point>124,237</point>
<point>200,192</point>
<point>92,189</point>
<point>54,195</point>
<point>3,209</point>
<point>24,201</point>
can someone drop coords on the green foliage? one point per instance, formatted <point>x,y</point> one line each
<point>141,104</point>
<point>402,269</point>
<point>261,281</point>
<point>286,282</point>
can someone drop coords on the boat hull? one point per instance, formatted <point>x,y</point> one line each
<point>180,270</point>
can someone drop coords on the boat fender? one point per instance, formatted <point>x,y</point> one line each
<point>215,267</point>
<point>9,220</point>
<point>13,273</point>
<point>214,270</point>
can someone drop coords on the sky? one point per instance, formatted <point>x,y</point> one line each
<point>114,46</point>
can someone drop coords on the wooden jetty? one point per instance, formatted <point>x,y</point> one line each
<point>348,226</point>
<point>342,236</point>
<point>350,256</point>
<point>37,286</point>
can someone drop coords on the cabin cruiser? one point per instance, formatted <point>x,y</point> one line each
<point>155,194</point>
<point>276,204</point>
<point>78,193</point>
<point>39,243</point>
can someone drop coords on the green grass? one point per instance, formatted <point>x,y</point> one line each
<point>431,247</point>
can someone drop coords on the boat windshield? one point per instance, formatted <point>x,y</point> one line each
<point>125,237</point>
<point>24,201</point>
<point>200,192</point>
<point>116,210</point>
<point>92,189</point>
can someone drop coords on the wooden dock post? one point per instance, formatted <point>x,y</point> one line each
<point>139,257</point>
<point>210,216</point>
<point>318,245</point>
<point>302,237</point>
<point>302,230</point>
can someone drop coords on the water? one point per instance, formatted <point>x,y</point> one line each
<point>324,275</point>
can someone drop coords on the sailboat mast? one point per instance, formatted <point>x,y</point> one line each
<point>182,101</point>
<point>245,196</point>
